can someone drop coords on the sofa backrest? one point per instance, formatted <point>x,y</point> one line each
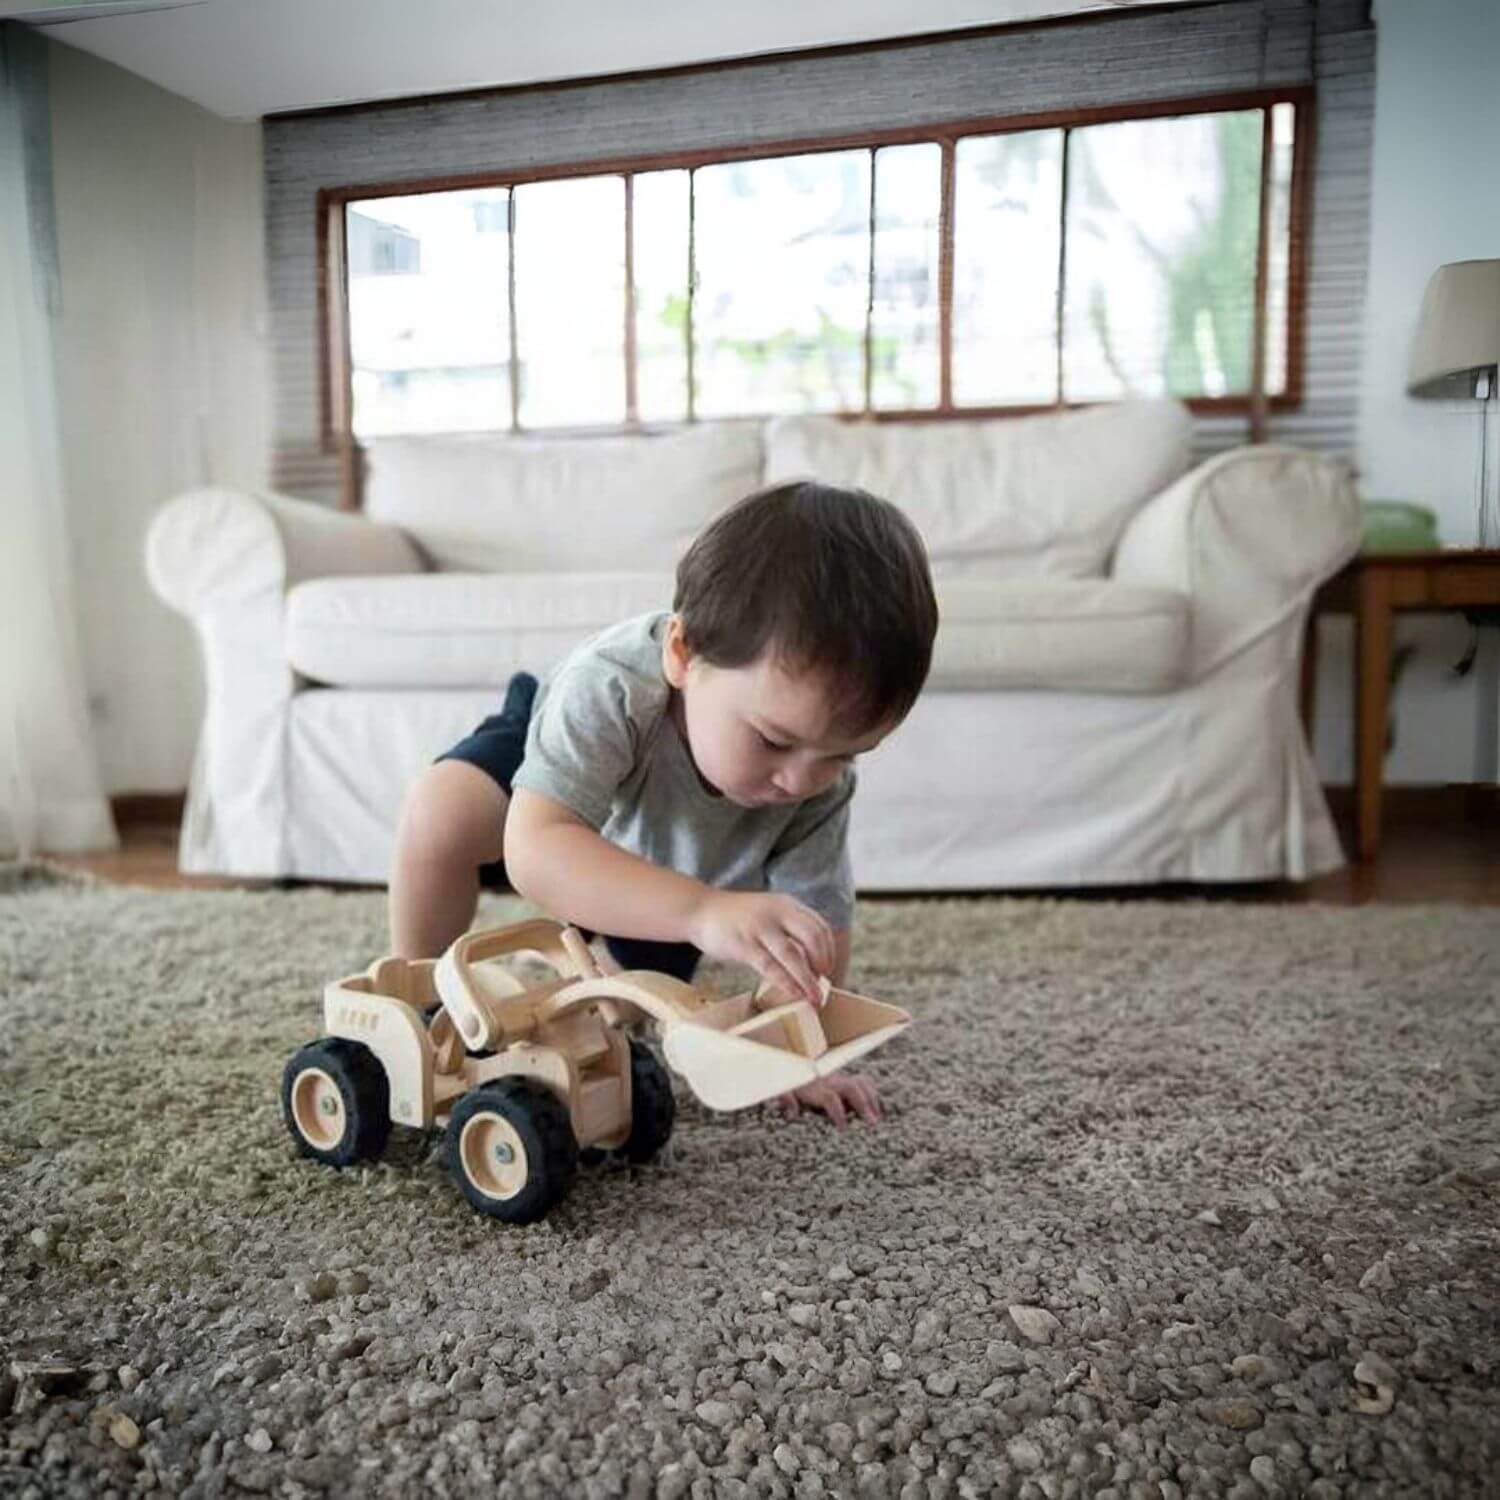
<point>993,497</point>
<point>491,503</point>
<point>998,497</point>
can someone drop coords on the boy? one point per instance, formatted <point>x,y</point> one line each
<point>682,781</point>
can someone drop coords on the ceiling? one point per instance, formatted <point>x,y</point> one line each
<point>247,58</point>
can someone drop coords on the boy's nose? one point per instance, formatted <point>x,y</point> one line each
<point>791,783</point>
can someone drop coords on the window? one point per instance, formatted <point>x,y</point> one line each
<point>904,328</point>
<point>430,348</point>
<point>1162,224</point>
<point>781,279</point>
<point>1007,230</point>
<point>987,267</point>
<point>569,249</point>
<point>377,249</point>
<point>660,272</point>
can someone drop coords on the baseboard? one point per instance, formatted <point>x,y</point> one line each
<point>147,809</point>
<point>1471,801</point>
<point>1481,802</point>
<point>1474,802</point>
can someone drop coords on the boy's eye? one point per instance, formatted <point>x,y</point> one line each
<point>769,743</point>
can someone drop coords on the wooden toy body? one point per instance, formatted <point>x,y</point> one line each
<point>571,1032</point>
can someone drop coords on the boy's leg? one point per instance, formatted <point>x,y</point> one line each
<point>677,959</point>
<point>451,837</point>
<point>452,822</point>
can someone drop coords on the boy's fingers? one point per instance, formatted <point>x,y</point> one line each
<point>793,958</point>
<point>860,1092</point>
<point>815,935</point>
<point>775,973</point>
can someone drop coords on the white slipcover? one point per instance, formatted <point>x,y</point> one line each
<point>494,503</point>
<point>436,630</point>
<point>1135,721</point>
<point>1000,499</point>
<point>441,630</point>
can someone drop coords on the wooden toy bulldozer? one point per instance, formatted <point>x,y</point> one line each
<point>525,1077</point>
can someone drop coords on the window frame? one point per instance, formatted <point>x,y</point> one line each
<point>335,363</point>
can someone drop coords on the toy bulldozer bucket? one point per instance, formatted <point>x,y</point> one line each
<point>731,1053</point>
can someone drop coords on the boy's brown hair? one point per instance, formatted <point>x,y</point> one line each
<point>832,580</point>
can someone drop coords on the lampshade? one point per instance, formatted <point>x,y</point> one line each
<point>1458,331</point>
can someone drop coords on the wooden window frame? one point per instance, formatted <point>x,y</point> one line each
<point>336,365</point>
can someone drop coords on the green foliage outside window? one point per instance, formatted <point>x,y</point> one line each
<point>1209,278</point>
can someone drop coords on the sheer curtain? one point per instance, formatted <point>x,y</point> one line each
<point>50,797</point>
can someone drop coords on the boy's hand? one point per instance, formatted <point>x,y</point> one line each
<point>788,944</point>
<point>835,1095</point>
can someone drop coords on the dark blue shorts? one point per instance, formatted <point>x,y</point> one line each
<point>497,747</point>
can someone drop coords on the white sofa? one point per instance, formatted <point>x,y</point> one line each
<point>1113,695</point>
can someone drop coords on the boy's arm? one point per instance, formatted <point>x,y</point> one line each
<point>558,861</point>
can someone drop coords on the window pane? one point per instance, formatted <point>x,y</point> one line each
<point>570,301</point>
<point>429,319</point>
<point>783,254</point>
<point>1162,223</point>
<point>1283,128</point>
<point>1007,214</point>
<point>904,318</point>
<point>660,219</point>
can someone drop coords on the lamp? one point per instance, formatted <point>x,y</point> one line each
<point>1456,353</point>
<point>1457,350</point>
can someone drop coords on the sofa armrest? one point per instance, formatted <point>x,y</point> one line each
<point>1248,537</point>
<point>214,547</point>
<point>225,559</point>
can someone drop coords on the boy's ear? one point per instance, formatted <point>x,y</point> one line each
<point>675,655</point>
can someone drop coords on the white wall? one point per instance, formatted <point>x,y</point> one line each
<point>163,381</point>
<point>1436,198</point>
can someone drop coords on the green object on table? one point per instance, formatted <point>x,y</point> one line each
<point>1399,526</point>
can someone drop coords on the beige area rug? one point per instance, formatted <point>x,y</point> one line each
<point>1171,1199</point>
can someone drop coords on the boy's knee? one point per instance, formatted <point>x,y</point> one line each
<point>454,813</point>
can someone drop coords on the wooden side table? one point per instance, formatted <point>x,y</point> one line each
<point>1373,588</point>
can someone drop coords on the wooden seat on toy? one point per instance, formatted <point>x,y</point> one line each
<point>580,1033</point>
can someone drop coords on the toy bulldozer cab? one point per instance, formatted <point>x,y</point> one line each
<point>525,1076</point>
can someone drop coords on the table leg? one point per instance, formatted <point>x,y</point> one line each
<point>1372,629</point>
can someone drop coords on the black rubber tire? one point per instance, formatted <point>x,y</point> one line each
<point>366,1096</point>
<point>653,1108</point>
<point>541,1120</point>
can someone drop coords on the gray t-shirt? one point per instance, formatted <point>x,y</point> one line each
<point>603,744</point>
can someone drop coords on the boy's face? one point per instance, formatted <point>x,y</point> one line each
<point>759,734</point>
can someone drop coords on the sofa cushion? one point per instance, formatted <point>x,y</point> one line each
<point>1087,635</point>
<point>483,502</point>
<point>1001,498</point>
<point>452,630</point>
<point>455,629</point>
